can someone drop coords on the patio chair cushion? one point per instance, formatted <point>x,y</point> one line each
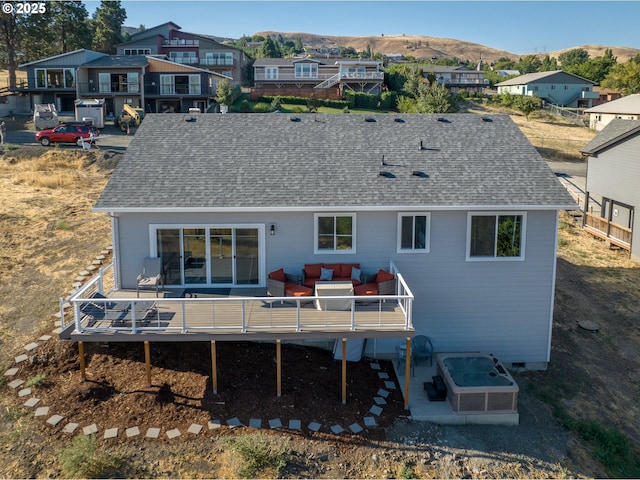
<point>383,276</point>
<point>366,289</point>
<point>295,290</point>
<point>278,275</point>
<point>326,274</point>
<point>313,270</point>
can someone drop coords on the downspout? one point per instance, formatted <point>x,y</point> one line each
<point>115,235</point>
<point>553,286</point>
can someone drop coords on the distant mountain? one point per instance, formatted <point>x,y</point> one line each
<point>428,47</point>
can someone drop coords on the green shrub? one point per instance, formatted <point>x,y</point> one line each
<point>262,107</point>
<point>82,459</point>
<point>245,106</point>
<point>366,100</point>
<point>388,100</point>
<point>258,453</point>
<point>36,381</point>
<point>276,103</point>
<point>350,98</point>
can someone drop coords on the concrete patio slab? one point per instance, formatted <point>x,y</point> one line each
<point>375,366</point>
<point>90,429</point>
<point>173,433</point>
<point>234,422</point>
<point>110,433</point>
<point>370,422</point>
<point>153,432</point>
<point>355,428</point>
<point>376,410</point>
<point>275,423</point>
<point>11,372</point>
<point>132,432</point>
<point>16,383</point>
<point>41,412</point>
<point>314,426</point>
<point>383,393</point>
<point>32,402</point>
<point>54,420</point>
<point>255,423</point>
<point>213,424</point>
<point>295,425</point>
<point>337,429</point>
<point>24,392</point>
<point>379,401</point>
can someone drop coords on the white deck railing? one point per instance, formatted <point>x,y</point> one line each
<point>119,313</point>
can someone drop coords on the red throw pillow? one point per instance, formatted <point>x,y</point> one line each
<point>312,270</point>
<point>384,276</point>
<point>278,275</point>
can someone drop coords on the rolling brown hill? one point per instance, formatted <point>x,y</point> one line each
<point>426,47</point>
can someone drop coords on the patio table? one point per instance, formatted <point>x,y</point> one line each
<point>333,289</point>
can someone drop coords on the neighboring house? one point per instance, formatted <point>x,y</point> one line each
<point>460,207</point>
<point>557,87</point>
<point>153,83</point>
<point>456,78</point>
<point>605,95</point>
<point>324,78</point>
<point>613,176</point>
<point>507,73</point>
<point>191,49</point>
<point>53,79</point>
<point>626,108</point>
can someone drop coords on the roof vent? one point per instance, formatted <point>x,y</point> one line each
<point>421,147</point>
<point>382,162</point>
<point>189,119</point>
<point>487,119</point>
<point>444,120</point>
<point>370,119</point>
<point>295,119</point>
<point>387,174</point>
<point>418,173</point>
<point>399,120</point>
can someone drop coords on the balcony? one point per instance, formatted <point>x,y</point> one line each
<point>185,60</point>
<point>180,42</point>
<point>178,90</point>
<point>99,313</point>
<point>613,233</point>
<point>92,88</point>
<point>216,62</point>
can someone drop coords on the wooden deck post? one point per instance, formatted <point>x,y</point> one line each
<point>83,373</point>
<point>407,374</point>
<point>344,371</point>
<point>147,361</point>
<point>278,368</point>
<point>214,369</point>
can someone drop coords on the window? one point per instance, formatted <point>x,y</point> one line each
<point>137,51</point>
<point>271,73</point>
<point>306,70</point>
<point>55,78</point>
<point>187,58</point>
<point>335,233</point>
<point>218,58</point>
<point>180,85</point>
<point>413,232</point>
<point>496,236</point>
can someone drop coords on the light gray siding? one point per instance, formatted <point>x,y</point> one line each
<point>502,307</point>
<point>614,174</point>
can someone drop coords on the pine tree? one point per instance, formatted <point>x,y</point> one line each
<point>108,21</point>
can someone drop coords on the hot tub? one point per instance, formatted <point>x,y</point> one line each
<point>477,383</point>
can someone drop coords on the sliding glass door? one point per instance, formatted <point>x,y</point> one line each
<point>210,255</point>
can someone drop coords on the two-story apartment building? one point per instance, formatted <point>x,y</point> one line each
<point>557,87</point>
<point>456,78</point>
<point>191,49</point>
<point>324,78</point>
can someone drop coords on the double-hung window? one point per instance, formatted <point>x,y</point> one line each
<point>496,236</point>
<point>413,232</point>
<point>335,233</point>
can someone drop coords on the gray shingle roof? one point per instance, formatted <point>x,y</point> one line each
<point>268,161</point>
<point>555,76</point>
<point>629,105</point>
<point>118,61</point>
<point>615,131</point>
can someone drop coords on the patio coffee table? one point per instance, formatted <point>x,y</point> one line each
<point>333,289</point>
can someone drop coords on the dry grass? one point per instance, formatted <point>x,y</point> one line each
<point>48,235</point>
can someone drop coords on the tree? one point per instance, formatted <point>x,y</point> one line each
<point>107,22</point>
<point>433,98</point>
<point>595,69</point>
<point>270,49</point>
<point>64,27</point>
<point>526,104</point>
<point>298,47</point>
<point>412,80</point>
<point>624,78</point>
<point>576,56</point>
<point>10,39</point>
<point>549,64</point>
<point>504,63</point>
<point>224,92</point>
<point>529,64</point>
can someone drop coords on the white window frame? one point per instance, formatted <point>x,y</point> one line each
<point>494,257</point>
<point>306,70</point>
<point>335,250</point>
<point>167,85</point>
<point>427,236</point>
<point>271,73</point>
<point>194,85</point>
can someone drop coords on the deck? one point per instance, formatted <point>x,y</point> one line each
<point>98,315</point>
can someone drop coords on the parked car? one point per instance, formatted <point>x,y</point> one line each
<point>72,132</point>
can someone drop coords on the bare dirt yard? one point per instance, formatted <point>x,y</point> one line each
<point>578,419</point>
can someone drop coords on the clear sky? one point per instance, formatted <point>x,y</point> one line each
<point>519,27</point>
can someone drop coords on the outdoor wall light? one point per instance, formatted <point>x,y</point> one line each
<point>272,229</point>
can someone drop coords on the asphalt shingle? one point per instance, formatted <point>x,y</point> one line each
<point>266,161</point>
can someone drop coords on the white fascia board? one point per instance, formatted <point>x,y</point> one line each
<point>325,208</point>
